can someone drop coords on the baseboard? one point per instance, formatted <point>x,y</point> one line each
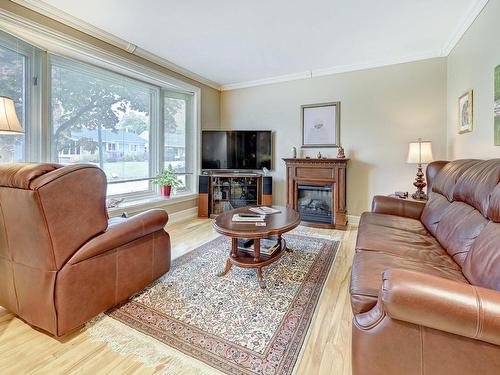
<point>190,213</point>
<point>353,220</point>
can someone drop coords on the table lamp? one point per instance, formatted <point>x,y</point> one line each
<point>9,123</point>
<point>419,153</point>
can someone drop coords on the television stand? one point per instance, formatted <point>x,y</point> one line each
<point>223,191</point>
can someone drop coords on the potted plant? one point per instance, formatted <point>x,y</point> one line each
<point>167,179</point>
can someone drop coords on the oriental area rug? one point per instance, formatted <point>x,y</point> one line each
<point>193,322</point>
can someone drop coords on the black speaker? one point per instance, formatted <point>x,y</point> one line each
<point>203,184</point>
<point>267,185</point>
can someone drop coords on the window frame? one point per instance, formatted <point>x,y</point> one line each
<point>106,75</point>
<point>32,92</point>
<point>191,161</point>
<point>51,41</point>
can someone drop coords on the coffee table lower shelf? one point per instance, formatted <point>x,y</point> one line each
<point>244,259</point>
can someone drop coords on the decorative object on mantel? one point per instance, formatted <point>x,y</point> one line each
<point>419,153</point>
<point>465,113</point>
<point>497,106</point>
<point>321,125</point>
<point>294,152</point>
<point>205,324</point>
<point>340,153</point>
<point>318,155</point>
<point>167,180</point>
<point>317,189</point>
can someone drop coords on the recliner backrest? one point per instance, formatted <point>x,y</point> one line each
<point>47,212</point>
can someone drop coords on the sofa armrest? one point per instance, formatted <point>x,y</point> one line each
<point>442,304</point>
<point>398,207</point>
<point>120,234</point>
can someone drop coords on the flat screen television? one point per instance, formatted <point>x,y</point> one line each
<point>236,150</point>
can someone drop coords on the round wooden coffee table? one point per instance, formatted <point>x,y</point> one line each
<point>276,224</point>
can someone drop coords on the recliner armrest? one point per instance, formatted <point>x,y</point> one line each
<point>398,207</point>
<point>442,304</point>
<point>120,234</point>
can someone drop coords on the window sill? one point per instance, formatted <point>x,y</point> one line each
<point>142,204</point>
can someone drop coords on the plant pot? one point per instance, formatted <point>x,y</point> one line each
<point>165,190</point>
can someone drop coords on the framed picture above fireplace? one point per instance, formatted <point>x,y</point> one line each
<point>320,125</point>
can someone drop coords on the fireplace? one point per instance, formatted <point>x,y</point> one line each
<point>314,203</point>
<point>317,189</point>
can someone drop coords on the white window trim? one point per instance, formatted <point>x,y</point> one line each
<point>32,92</point>
<point>64,45</point>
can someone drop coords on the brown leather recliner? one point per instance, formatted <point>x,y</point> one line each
<point>60,262</point>
<point>425,286</point>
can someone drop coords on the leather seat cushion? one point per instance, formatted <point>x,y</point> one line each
<point>379,233</point>
<point>367,271</point>
<point>392,221</point>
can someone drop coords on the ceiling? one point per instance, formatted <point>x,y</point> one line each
<point>237,43</point>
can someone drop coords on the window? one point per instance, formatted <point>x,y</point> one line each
<point>119,116</point>
<point>110,146</point>
<point>101,113</point>
<point>178,136</point>
<point>15,57</point>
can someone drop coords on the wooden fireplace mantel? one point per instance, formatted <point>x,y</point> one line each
<point>319,172</point>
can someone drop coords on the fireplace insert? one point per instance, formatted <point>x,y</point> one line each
<point>315,203</point>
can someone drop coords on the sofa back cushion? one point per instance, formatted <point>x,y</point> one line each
<point>441,194</point>
<point>482,265</point>
<point>467,215</point>
<point>458,229</point>
<point>476,185</point>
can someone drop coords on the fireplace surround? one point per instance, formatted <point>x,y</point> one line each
<point>317,189</point>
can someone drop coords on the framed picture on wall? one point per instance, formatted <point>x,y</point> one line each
<point>321,125</point>
<point>465,113</point>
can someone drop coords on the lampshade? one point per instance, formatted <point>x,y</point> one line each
<point>420,152</point>
<point>9,123</point>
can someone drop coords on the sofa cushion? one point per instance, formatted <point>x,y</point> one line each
<point>458,228</point>
<point>494,208</point>
<point>446,180</point>
<point>476,184</point>
<point>433,211</point>
<point>367,271</point>
<point>482,265</point>
<point>443,188</point>
<point>417,244</point>
<point>391,221</point>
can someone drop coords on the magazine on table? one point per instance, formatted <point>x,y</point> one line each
<point>267,246</point>
<point>248,218</point>
<point>264,210</point>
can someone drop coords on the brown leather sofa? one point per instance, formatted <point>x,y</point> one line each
<point>425,286</point>
<point>60,261</point>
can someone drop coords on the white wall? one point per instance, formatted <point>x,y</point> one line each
<point>471,66</point>
<point>382,109</point>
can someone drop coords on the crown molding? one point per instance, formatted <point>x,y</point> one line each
<point>330,71</point>
<point>61,44</point>
<point>65,18</point>
<point>462,28</point>
<point>76,23</point>
<point>267,81</point>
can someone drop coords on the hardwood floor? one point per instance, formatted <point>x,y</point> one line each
<point>24,350</point>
